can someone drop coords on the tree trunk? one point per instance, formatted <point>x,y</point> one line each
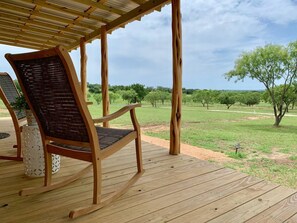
<point>277,121</point>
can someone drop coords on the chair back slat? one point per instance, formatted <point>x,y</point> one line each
<point>48,89</point>
<point>11,93</point>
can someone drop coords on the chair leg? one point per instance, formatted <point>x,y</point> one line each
<point>99,203</point>
<point>48,169</point>
<point>19,143</point>
<point>138,154</point>
<point>109,199</point>
<point>97,181</point>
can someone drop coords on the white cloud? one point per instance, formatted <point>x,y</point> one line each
<point>214,33</point>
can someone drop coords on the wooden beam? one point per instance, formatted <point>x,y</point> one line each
<point>104,74</point>
<point>175,124</point>
<point>35,23</point>
<point>39,38</point>
<point>139,2</point>
<point>136,13</point>
<point>5,6</point>
<point>123,20</point>
<point>56,7</point>
<point>83,67</point>
<point>100,5</point>
<point>16,38</point>
<point>24,45</point>
<point>19,26</point>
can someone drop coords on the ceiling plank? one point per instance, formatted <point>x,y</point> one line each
<point>139,2</point>
<point>14,18</point>
<point>87,15</point>
<point>14,25</point>
<point>28,42</point>
<point>41,39</point>
<point>5,6</point>
<point>22,45</point>
<point>100,5</point>
<point>123,20</point>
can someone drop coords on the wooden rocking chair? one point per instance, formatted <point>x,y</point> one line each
<point>8,94</point>
<point>50,85</point>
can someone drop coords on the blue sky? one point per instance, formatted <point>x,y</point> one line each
<point>214,34</point>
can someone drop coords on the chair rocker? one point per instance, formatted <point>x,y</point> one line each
<point>8,94</point>
<point>50,85</point>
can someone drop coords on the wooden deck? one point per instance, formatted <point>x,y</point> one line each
<point>173,189</point>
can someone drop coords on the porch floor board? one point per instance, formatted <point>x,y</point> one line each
<point>172,189</point>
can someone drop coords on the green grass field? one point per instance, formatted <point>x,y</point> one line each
<point>265,151</point>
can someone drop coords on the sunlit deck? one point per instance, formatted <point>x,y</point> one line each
<point>173,189</point>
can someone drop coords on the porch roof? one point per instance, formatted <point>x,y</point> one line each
<point>41,24</point>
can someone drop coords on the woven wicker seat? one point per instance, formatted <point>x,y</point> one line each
<point>51,87</point>
<point>8,94</point>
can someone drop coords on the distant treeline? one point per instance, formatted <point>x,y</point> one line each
<point>159,95</point>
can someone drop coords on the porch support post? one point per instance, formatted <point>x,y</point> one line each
<point>175,124</point>
<point>83,67</point>
<point>104,74</point>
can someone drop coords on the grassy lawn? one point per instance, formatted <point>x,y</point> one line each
<point>265,151</point>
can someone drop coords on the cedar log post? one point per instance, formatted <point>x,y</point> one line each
<point>83,67</point>
<point>104,74</point>
<point>175,123</point>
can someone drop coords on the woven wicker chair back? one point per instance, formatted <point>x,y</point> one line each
<point>50,94</point>
<point>10,91</point>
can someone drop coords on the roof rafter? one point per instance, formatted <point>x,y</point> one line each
<point>100,5</point>
<point>40,24</point>
<point>9,25</point>
<point>4,6</point>
<point>87,15</point>
<point>62,22</point>
<point>123,20</point>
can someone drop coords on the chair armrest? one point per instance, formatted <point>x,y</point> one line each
<point>117,113</point>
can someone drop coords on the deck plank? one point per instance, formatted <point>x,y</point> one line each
<point>278,212</point>
<point>256,206</point>
<point>227,203</point>
<point>293,219</point>
<point>173,189</point>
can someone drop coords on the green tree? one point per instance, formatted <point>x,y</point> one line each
<point>140,92</point>
<point>295,91</point>
<point>94,88</point>
<point>205,97</point>
<point>187,98</point>
<point>251,98</point>
<point>282,102</point>
<point>98,98</point>
<point>129,95</point>
<point>113,97</point>
<point>152,97</point>
<point>269,65</point>
<point>227,99</point>
<point>164,96</point>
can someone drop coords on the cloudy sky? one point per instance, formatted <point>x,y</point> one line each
<point>215,32</point>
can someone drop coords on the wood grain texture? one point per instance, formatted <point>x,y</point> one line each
<point>83,67</point>
<point>176,113</point>
<point>104,74</point>
<point>173,189</point>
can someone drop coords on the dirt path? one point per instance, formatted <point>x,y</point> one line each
<point>200,153</point>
